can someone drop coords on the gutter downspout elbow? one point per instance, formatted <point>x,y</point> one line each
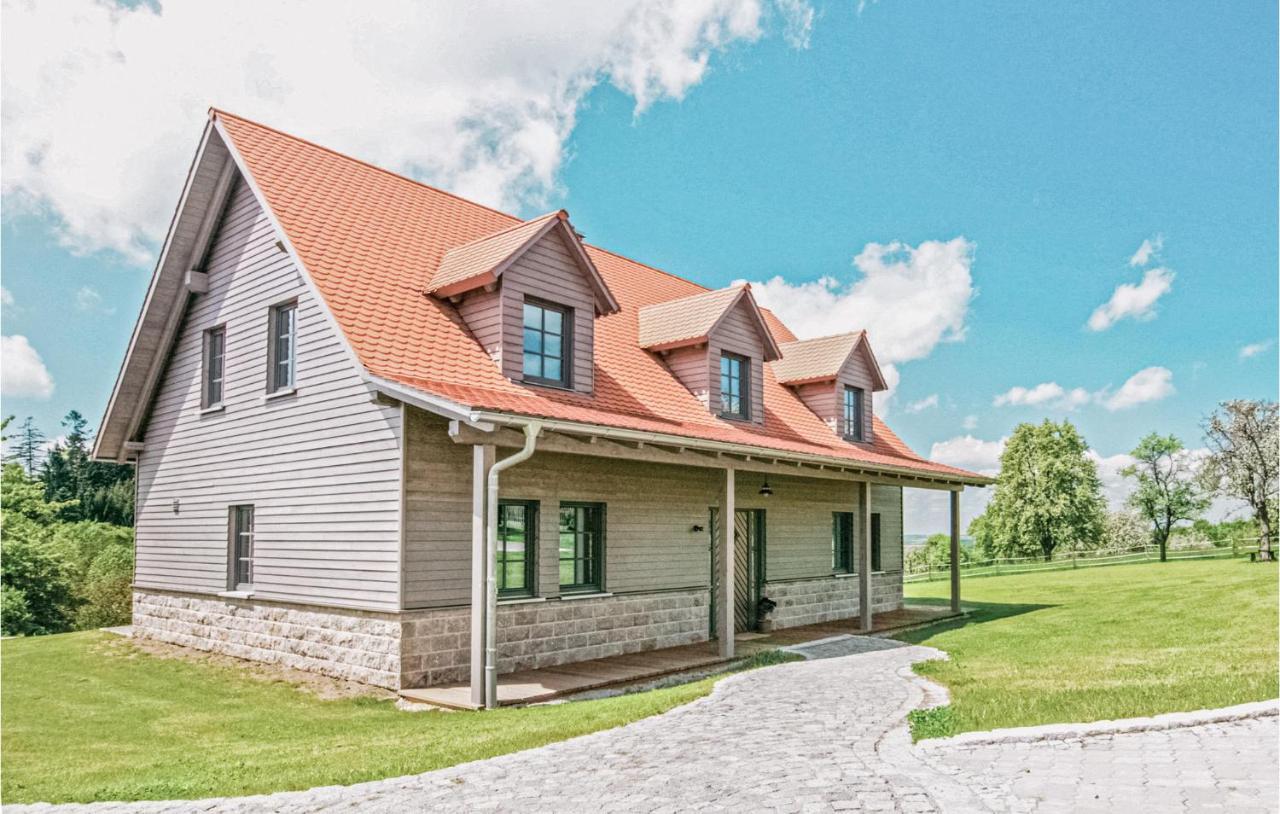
<point>531,430</point>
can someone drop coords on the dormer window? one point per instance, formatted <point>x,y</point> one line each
<point>547,330</point>
<point>853,419</point>
<point>735,373</point>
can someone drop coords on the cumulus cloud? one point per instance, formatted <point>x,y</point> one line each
<point>1049,394</point>
<point>1149,249</point>
<point>1131,301</point>
<point>908,298</point>
<point>22,371</point>
<point>88,299</point>
<point>1252,350</point>
<point>926,403</point>
<point>926,511</point>
<point>1148,384</point>
<point>469,96</point>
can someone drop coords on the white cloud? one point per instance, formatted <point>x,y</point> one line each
<point>1252,350</point>
<point>1150,248</point>
<point>89,300</point>
<point>6,297</point>
<point>927,511</point>
<point>970,422</point>
<point>469,96</point>
<point>1131,301</point>
<point>798,17</point>
<point>970,453</point>
<point>22,371</point>
<point>926,403</point>
<point>1049,394</point>
<point>1148,384</point>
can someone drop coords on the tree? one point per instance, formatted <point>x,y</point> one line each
<point>1167,492</point>
<point>1124,531</point>
<point>1047,494</point>
<point>28,451</point>
<point>102,491</point>
<point>1244,460</point>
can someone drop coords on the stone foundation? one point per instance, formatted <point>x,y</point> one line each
<point>558,631</point>
<point>828,599</point>
<point>348,644</point>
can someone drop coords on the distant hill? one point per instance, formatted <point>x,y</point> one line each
<point>910,541</point>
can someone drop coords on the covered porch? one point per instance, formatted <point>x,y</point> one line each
<point>549,683</point>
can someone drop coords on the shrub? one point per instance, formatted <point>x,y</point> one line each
<point>107,590</point>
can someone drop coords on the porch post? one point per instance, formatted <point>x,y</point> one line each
<point>482,456</point>
<point>865,622</point>
<point>724,561</point>
<point>955,551</point>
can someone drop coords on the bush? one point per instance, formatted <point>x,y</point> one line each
<point>40,579</point>
<point>107,590</point>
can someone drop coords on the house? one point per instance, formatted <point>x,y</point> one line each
<point>387,434</point>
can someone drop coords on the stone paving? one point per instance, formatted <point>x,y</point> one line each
<point>826,734</point>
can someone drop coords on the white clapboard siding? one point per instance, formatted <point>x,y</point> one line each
<point>887,501</point>
<point>321,467</point>
<point>737,333</point>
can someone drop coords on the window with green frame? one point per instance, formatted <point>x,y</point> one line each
<point>517,546</point>
<point>842,542</point>
<point>581,547</point>
<point>875,541</point>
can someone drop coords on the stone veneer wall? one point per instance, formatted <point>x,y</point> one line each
<point>557,631</point>
<point>348,644</point>
<point>826,599</point>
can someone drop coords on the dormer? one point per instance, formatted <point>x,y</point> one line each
<point>835,377</point>
<point>716,344</point>
<point>530,295</point>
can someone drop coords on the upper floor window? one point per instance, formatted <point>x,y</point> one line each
<point>284,347</point>
<point>215,348</point>
<point>853,417</point>
<point>842,542</point>
<point>546,342</point>
<point>581,546</point>
<point>241,577</point>
<point>734,387</point>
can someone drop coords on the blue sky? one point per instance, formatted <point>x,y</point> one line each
<point>1043,142</point>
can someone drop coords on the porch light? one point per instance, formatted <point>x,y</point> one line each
<point>766,490</point>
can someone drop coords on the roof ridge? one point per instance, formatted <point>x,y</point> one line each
<point>219,111</point>
<point>858,332</point>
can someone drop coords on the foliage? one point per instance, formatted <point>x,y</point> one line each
<point>29,448</point>
<point>1104,643</point>
<point>148,727</point>
<point>935,553</point>
<point>36,585</point>
<point>1244,460</point>
<point>1047,494</point>
<point>1167,490</point>
<point>107,589</point>
<point>92,490</point>
<point>1124,531</point>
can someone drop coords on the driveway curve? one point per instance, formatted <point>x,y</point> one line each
<point>826,734</point>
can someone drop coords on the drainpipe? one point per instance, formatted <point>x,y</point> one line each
<point>531,430</point>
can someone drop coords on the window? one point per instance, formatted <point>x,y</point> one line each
<point>875,541</point>
<point>842,542</point>
<point>517,545</point>
<point>581,546</point>
<point>284,347</point>
<point>546,338</point>
<point>215,348</point>
<point>853,420</point>
<point>734,386</point>
<point>241,548</point>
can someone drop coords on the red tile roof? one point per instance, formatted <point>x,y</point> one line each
<point>812,360</point>
<point>690,320</point>
<point>371,241</point>
<point>479,258</point>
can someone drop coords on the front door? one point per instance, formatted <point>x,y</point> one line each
<point>748,567</point>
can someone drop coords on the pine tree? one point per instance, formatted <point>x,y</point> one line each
<point>29,449</point>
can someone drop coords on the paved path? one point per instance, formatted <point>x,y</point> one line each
<point>819,735</point>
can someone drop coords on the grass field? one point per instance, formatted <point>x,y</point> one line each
<point>87,716</point>
<point>1113,642</point>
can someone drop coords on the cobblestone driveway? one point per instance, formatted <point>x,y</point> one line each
<point>820,735</point>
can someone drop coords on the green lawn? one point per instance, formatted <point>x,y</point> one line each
<point>1099,643</point>
<point>86,717</point>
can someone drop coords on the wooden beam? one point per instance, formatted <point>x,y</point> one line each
<point>955,552</point>
<point>724,566</point>
<point>865,622</point>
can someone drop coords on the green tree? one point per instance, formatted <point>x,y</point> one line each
<point>935,553</point>
<point>29,449</point>
<point>102,490</point>
<point>1167,492</point>
<point>1047,494</point>
<point>1244,461</point>
<point>36,587</point>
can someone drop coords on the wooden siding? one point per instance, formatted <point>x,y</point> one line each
<point>887,501</point>
<point>320,466</point>
<point>547,271</point>
<point>738,333</point>
<point>482,312</point>
<point>689,365</point>
<point>798,521</point>
<point>820,397</point>
<point>855,373</point>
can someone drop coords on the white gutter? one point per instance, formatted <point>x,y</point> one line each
<point>531,430</point>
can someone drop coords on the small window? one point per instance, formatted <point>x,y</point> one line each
<point>284,347</point>
<point>853,417</point>
<point>875,541</point>
<point>842,542</point>
<point>517,546</point>
<point>546,342</point>
<point>581,546</point>
<point>215,349</point>
<point>241,548</point>
<point>734,386</point>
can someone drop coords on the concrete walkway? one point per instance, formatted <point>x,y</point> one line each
<point>821,735</point>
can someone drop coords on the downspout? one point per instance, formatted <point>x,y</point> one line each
<point>531,430</point>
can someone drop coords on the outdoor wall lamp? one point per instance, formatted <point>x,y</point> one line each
<point>766,490</point>
<point>696,528</point>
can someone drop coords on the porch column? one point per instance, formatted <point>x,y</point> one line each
<point>955,551</point>
<point>482,456</point>
<point>724,564</point>
<point>865,622</point>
